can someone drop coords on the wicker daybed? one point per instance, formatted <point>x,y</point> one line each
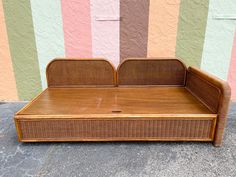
<point>144,100</point>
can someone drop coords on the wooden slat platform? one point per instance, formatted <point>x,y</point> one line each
<point>117,100</point>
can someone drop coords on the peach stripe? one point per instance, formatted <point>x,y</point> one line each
<point>7,80</point>
<point>77,28</point>
<point>232,71</point>
<point>163,22</point>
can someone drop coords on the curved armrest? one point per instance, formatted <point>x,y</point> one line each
<point>213,93</point>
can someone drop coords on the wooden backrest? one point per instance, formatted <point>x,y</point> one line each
<point>80,72</point>
<point>151,71</point>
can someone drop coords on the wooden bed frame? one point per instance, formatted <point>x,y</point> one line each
<point>154,99</point>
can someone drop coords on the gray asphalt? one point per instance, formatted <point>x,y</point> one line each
<point>131,159</point>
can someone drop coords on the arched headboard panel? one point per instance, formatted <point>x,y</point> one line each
<point>80,72</point>
<point>151,71</point>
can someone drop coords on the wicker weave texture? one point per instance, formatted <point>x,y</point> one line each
<point>80,72</point>
<point>116,129</point>
<point>211,94</point>
<point>151,72</point>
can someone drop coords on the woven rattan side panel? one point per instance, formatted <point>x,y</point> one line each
<point>151,72</point>
<point>79,130</point>
<point>80,72</point>
<point>204,90</point>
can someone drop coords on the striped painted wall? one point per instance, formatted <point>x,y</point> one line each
<point>201,33</point>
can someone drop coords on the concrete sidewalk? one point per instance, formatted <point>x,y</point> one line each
<point>138,159</point>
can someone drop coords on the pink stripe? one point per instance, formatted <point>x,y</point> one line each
<point>105,32</point>
<point>232,71</point>
<point>77,28</point>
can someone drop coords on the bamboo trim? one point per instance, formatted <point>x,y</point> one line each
<point>18,130</point>
<point>114,139</point>
<point>121,116</point>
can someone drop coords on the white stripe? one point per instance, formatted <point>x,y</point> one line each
<point>48,30</point>
<point>218,39</point>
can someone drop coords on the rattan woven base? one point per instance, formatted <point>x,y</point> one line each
<point>154,129</point>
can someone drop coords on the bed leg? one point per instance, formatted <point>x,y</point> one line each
<point>217,143</point>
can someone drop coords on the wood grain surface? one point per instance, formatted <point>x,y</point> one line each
<point>151,100</point>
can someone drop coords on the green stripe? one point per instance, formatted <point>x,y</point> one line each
<point>23,48</point>
<point>191,31</point>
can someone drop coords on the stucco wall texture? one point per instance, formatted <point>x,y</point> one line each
<point>162,31</point>
<point>32,33</point>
